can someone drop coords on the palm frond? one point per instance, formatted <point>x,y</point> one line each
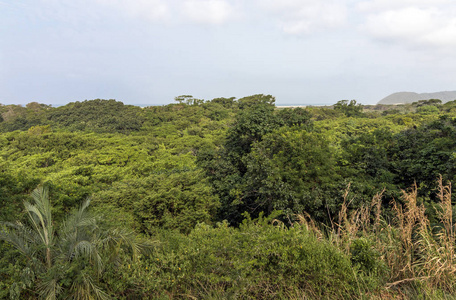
<point>36,218</point>
<point>21,237</point>
<point>86,287</point>
<point>49,289</point>
<point>79,243</point>
<point>77,221</point>
<point>88,250</point>
<point>40,214</point>
<point>83,249</point>
<point>117,238</point>
<point>41,197</point>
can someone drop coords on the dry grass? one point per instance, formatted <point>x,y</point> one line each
<point>414,251</point>
<point>436,245</point>
<point>409,218</point>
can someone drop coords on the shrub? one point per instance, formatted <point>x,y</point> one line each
<point>258,260</point>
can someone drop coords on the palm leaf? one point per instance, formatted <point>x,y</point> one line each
<point>86,289</point>
<point>49,289</point>
<point>80,243</point>
<point>21,237</point>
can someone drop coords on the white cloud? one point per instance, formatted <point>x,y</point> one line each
<point>381,5</point>
<point>208,11</point>
<point>412,23</point>
<point>306,16</point>
<point>404,23</point>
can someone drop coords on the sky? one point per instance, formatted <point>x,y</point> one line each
<point>147,52</point>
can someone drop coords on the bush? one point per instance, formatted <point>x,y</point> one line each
<point>259,260</point>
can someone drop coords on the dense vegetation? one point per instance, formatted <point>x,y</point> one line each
<point>232,198</point>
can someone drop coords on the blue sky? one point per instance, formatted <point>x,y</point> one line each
<point>146,52</point>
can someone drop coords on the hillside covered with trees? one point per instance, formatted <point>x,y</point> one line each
<point>227,198</point>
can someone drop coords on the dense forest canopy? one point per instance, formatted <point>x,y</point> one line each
<point>195,175</point>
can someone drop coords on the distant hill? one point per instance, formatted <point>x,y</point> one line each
<point>409,97</point>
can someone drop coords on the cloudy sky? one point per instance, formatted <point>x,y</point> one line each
<point>146,52</point>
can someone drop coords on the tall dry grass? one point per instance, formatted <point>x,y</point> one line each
<point>416,252</point>
<point>436,245</point>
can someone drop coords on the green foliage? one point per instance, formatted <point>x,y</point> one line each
<point>258,260</point>
<point>428,110</point>
<point>67,261</point>
<point>174,170</point>
<point>94,115</point>
<point>430,102</point>
<point>449,107</point>
<point>98,115</point>
<point>12,278</point>
<point>294,171</point>
<point>13,191</point>
<point>216,110</point>
<point>175,199</point>
<point>16,117</point>
<point>421,154</point>
<point>225,102</point>
<point>188,99</point>
<point>349,108</point>
<point>294,117</point>
<point>365,256</point>
<point>230,168</point>
<point>255,119</point>
<point>256,100</point>
<point>367,152</point>
<point>324,113</point>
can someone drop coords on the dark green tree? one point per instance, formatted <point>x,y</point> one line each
<point>420,154</point>
<point>294,117</point>
<point>225,102</point>
<point>98,115</point>
<point>175,199</point>
<point>294,171</point>
<point>349,108</point>
<point>255,100</point>
<point>255,119</point>
<point>226,167</point>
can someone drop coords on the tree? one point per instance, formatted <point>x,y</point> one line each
<point>428,110</point>
<point>97,115</point>
<point>350,109</point>
<point>225,102</point>
<point>294,117</point>
<point>254,100</point>
<point>175,199</point>
<point>67,261</point>
<point>292,171</point>
<point>432,102</point>
<point>226,167</point>
<point>188,99</point>
<point>255,119</point>
<point>421,153</point>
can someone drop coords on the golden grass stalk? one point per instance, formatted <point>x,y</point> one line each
<point>306,220</point>
<point>408,218</point>
<point>412,249</point>
<point>436,245</point>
